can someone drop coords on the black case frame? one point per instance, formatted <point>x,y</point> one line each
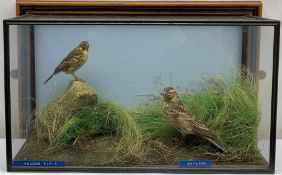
<point>142,20</point>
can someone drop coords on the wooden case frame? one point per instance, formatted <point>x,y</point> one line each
<point>231,8</point>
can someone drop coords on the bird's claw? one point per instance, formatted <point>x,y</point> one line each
<point>80,80</point>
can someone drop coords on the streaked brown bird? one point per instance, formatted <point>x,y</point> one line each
<point>73,61</point>
<point>183,120</point>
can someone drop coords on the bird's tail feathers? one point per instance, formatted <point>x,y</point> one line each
<point>208,136</point>
<point>217,144</point>
<point>48,79</point>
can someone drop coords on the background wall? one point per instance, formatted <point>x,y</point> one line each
<point>179,49</point>
<point>271,9</point>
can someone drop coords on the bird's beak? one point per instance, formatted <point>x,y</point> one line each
<point>162,94</point>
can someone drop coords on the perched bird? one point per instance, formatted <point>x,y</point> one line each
<point>73,61</point>
<point>183,120</point>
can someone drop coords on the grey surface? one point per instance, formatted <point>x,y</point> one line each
<point>19,142</point>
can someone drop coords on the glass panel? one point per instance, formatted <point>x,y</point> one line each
<point>147,95</point>
<point>20,85</point>
<point>16,117</point>
<point>265,89</point>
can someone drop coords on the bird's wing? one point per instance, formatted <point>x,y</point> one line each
<point>196,122</point>
<point>76,52</point>
<point>70,60</point>
<point>198,126</point>
<point>203,132</point>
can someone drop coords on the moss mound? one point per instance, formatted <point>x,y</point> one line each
<point>50,118</point>
<point>77,116</point>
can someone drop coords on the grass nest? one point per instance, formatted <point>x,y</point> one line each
<point>229,107</point>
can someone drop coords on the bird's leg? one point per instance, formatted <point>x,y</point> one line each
<point>181,142</point>
<point>75,77</point>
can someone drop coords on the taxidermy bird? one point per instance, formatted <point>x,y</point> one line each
<point>183,120</point>
<point>73,61</point>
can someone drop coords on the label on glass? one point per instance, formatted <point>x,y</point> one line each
<point>37,163</point>
<point>196,163</point>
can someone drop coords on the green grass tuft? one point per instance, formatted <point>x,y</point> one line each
<point>229,108</point>
<point>153,123</point>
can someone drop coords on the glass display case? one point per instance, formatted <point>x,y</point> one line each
<point>129,93</point>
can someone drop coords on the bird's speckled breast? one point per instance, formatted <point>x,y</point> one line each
<point>170,113</point>
<point>85,55</point>
<point>83,58</point>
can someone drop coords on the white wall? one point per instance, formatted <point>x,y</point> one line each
<point>7,9</point>
<point>271,9</point>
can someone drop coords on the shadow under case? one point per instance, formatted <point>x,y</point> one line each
<point>101,109</point>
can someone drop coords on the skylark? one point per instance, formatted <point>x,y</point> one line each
<point>183,120</point>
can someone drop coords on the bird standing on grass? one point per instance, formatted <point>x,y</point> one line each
<point>73,61</point>
<point>183,120</point>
